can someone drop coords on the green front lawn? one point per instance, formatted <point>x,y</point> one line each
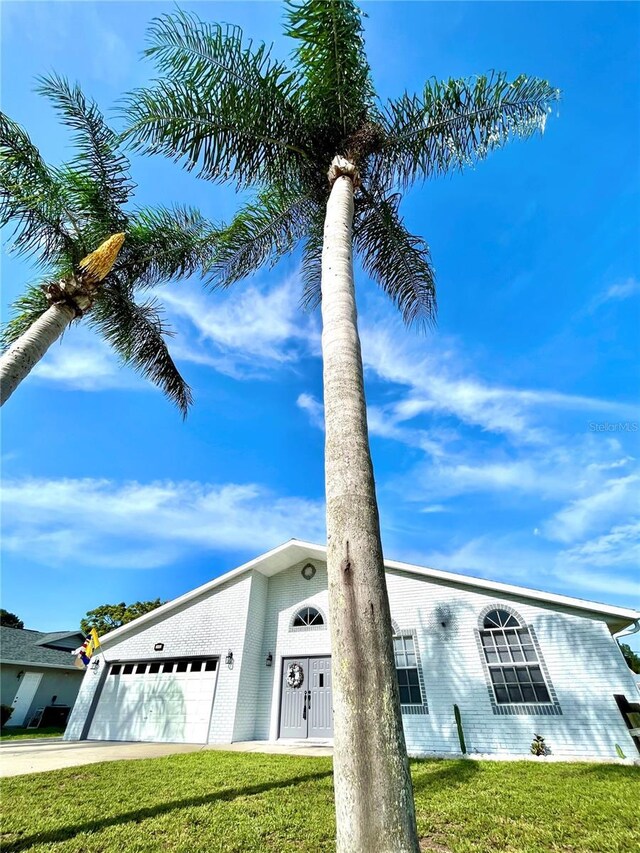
<point>222,801</point>
<point>18,733</point>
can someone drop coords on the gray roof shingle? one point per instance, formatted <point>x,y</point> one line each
<point>21,645</point>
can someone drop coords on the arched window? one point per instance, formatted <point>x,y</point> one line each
<point>500,619</point>
<point>308,617</point>
<point>512,660</point>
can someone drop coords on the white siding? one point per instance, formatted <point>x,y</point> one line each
<point>585,668</point>
<point>210,625</point>
<point>584,665</point>
<point>252,660</point>
<point>288,591</point>
<point>252,616</point>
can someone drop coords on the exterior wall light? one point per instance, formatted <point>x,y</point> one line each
<point>158,647</point>
<point>269,660</point>
<point>229,659</point>
<point>95,663</point>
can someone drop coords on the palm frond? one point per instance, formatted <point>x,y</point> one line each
<point>32,197</point>
<point>223,108</point>
<point>26,309</point>
<point>397,260</point>
<point>337,92</point>
<point>105,168</point>
<point>261,232</point>
<point>208,54</point>
<point>165,243</point>
<point>458,122</point>
<point>311,266</point>
<point>137,333</point>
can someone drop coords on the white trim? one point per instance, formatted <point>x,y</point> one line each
<point>324,625</point>
<point>33,665</point>
<point>521,591</point>
<point>627,632</point>
<point>295,550</point>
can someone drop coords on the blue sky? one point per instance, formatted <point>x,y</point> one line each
<point>499,439</point>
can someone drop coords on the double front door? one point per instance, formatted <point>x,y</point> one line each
<point>306,710</point>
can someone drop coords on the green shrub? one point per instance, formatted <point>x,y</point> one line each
<point>538,746</point>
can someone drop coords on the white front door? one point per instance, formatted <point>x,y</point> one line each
<point>24,697</point>
<point>156,701</point>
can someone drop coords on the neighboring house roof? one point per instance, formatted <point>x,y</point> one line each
<point>52,638</point>
<point>24,647</point>
<point>296,550</point>
<point>62,640</point>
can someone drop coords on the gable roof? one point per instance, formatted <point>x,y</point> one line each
<point>24,647</point>
<point>295,550</point>
<point>57,636</point>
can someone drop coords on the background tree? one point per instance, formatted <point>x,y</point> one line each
<point>230,111</point>
<point>61,214</point>
<point>108,617</point>
<point>631,657</point>
<point>10,620</point>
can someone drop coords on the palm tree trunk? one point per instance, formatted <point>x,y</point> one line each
<point>23,355</point>
<point>373,792</point>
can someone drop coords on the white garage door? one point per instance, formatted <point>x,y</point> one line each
<point>156,701</point>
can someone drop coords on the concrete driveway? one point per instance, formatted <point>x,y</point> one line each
<point>37,756</point>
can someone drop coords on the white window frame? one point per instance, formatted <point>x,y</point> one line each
<point>411,707</point>
<point>320,626</point>
<point>531,655</point>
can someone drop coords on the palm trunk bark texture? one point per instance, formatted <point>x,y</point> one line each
<point>23,355</point>
<point>373,792</point>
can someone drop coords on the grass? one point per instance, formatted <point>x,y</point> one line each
<point>233,802</point>
<point>20,733</point>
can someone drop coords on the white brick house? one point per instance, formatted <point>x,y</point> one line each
<point>246,657</point>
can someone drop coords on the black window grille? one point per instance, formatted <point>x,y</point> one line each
<point>514,666</point>
<point>307,617</point>
<point>407,670</point>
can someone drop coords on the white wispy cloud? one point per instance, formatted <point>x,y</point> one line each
<point>82,361</point>
<point>604,568</point>
<point>313,408</point>
<point>615,293</point>
<point>441,383</point>
<point>574,487</point>
<point>383,423</point>
<point>144,525</point>
<point>618,546</point>
<point>567,470</point>
<point>490,556</point>
<point>247,332</point>
<point>596,510</point>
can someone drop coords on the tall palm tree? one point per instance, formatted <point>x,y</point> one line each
<point>326,161</point>
<point>59,215</point>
